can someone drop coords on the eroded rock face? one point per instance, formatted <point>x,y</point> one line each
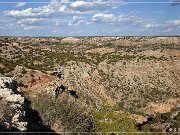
<point>14,113</point>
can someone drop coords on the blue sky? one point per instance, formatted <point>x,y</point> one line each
<point>89,17</point>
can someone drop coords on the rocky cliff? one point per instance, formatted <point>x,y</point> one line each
<point>12,105</point>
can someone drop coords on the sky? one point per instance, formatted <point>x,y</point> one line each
<point>89,17</point>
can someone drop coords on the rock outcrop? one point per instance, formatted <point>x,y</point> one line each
<point>12,105</point>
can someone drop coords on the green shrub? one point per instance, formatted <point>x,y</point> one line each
<point>69,116</point>
<point>110,121</point>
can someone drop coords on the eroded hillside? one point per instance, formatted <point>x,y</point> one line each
<point>136,75</point>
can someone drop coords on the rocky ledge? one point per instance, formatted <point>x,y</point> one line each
<point>12,105</point>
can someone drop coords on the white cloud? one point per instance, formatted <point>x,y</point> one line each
<point>174,23</point>
<point>96,4</point>
<point>29,20</point>
<point>109,18</point>
<point>104,17</point>
<point>66,13</point>
<point>60,22</point>
<point>125,19</point>
<point>20,4</point>
<point>57,7</point>
<point>31,12</point>
<point>142,24</point>
<point>53,8</point>
<point>62,8</point>
<point>83,4</point>
<point>38,16</point>
<point>40,11</point>
<point>20,24</point>
<point>77,20</point>
<point>118,19</point>
<point>26,27</point>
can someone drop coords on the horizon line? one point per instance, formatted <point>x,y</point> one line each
<point>99,36</point>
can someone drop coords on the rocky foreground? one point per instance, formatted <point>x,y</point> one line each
<point>13,112</point>
<point>16,114</point>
